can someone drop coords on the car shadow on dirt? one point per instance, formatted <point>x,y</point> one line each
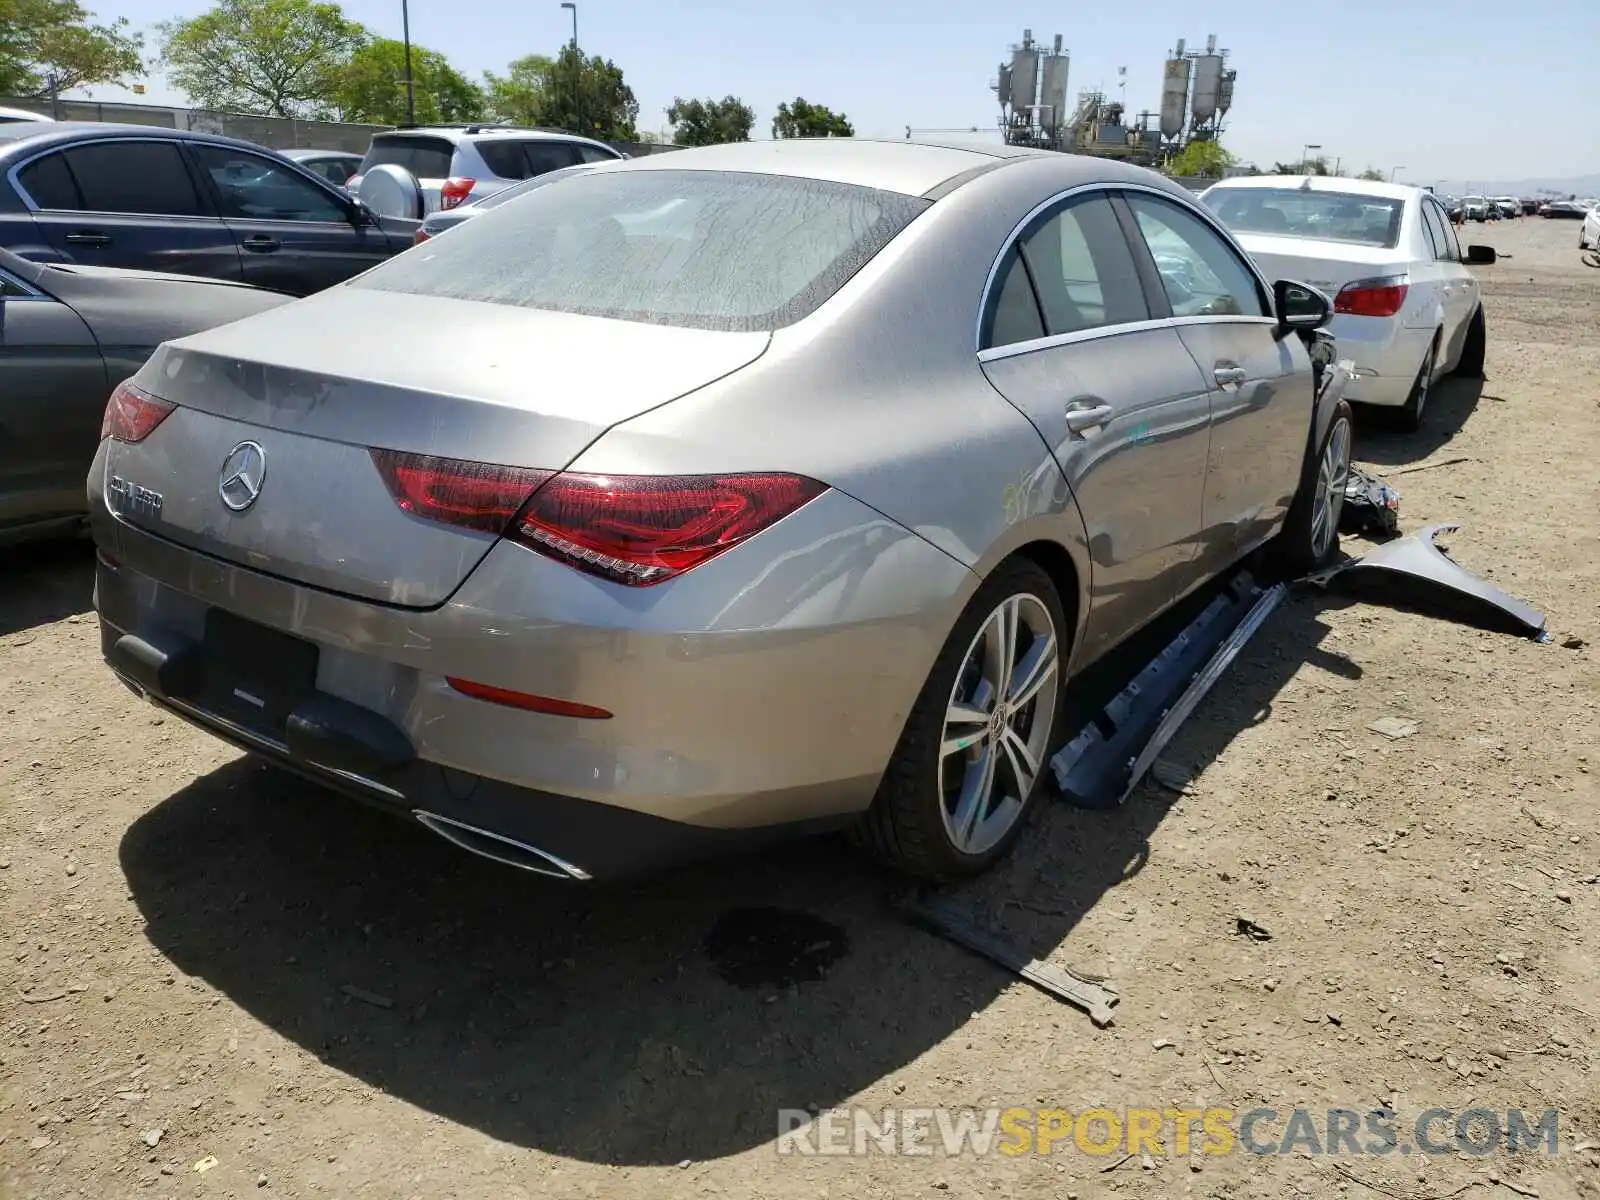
<point>1450,405</point>
<point>44,582</point>
<point>591,1023</point>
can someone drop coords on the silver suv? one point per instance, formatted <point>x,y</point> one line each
<point>456,163</point>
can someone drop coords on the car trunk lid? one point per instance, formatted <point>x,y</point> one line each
<point>1326,266</point>
<point>317,384</point>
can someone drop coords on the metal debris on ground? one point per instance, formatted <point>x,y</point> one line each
<point>1434,578</point>
<point>939,915</point>
<point>1394,728</point>
<point>1173,776</point>
<point>1247,927</point>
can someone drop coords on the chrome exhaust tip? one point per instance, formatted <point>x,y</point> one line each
<point>499,848</point>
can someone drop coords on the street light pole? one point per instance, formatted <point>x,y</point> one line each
<point>1393,171</point>
<point>577,89</point>
<point>1305,157</point>
<point>411,92</point>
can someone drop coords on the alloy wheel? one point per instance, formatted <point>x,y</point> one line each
<point>1333,475</point>
<point>998,723</point>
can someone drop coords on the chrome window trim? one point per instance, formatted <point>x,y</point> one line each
<point>29,292</point>
<point>1050,342</point>
<point>992,353</point>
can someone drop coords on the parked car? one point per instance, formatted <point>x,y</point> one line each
<point>1508,206</point>
<point>1589,231</point>
<point>438,222</point>
<point>1476,208</point>
<point>12,115</point>
<point>820,468</point>
<point>455,163</point>
<point>180,202</point>
<point>67,334</point>
<point>1406,306</point>
<point>336,166</point>
<point>1570,210</point>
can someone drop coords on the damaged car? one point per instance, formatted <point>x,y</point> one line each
<point>720,496</point>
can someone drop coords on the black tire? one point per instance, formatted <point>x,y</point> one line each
<point>1295,551</point>
<point>1414,411</point>
<point>1474,348</point>
<point>905,827</point>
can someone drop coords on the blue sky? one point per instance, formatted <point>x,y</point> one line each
<point>1462,89</point>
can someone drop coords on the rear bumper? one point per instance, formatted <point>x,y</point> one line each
<point>1387,357</point>
<point>760,699</point>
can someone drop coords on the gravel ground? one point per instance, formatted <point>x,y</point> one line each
<point>218,980</point>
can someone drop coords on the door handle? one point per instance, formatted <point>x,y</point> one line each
<point>89,237</point>
<point>1085,415</point>
<point>261,243</point>
<point>1229,376</point>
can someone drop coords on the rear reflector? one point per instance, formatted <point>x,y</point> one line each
<point>1372,297</point>
<point>527,701</point>
<point>469,494</point>
<point>643,529</point>
<point>454,191</point>
<point>132,413</point>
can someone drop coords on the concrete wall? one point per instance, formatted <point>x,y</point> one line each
<point>279,133</point>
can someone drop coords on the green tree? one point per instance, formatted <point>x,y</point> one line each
<point>1201,160</point>
<point>283,58</point>
<point>802,119</point>
<point>50,45</point>
<point>571,92</point>
<point>708,122</point>
<point>1372,174</point>
<point>372,86</point>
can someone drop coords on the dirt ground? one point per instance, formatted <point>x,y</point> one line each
<point>217,980</point>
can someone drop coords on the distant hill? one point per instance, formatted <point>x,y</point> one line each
<point>1582,185</point>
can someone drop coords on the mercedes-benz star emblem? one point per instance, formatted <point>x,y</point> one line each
<point>243,473</point>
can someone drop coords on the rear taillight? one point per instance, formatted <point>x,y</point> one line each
<point>643,529</point>
<point>1372,297</point>
<point>420,236</point>
<point>132,413</point>
<point>630,529</point>
<point>455,190</point>
<point>456,492</point>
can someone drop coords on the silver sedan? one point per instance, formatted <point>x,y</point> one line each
<point>715,496</point>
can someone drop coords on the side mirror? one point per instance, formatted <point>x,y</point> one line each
<point>1481,256</point>
<point>1300,306</point>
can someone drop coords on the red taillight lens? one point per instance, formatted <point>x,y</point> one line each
<point>454,191</point>
<point>469,494</point>
<point>644,529</point>
<point>132,413</point>
<point>1372,297</point>
<point>420,236</point>
<point>527,701</point>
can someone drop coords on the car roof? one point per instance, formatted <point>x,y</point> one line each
<point>1324,183</point>
<point>911,168</point>
<point>473,133</point>
<point>28,137</point>
<point>303,152</point>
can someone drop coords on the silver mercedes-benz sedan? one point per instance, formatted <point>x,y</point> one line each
<point>715,496</point>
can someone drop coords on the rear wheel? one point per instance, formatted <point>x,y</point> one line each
<point>1415,408</point>
<point>1473,349</point>
<point>979,739</point>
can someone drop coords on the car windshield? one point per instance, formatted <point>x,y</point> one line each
<point>1301,213</point>
<point>424,157</point>
<point>707,250</point>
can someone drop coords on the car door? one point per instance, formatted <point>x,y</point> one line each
<point>1260,382</point>
<point>1458,290</point>
<point>127,202</point>
<point>1068,339</point>
<point>295,234</point>
<point>53,390</point>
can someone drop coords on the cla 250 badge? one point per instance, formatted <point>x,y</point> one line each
<point>131,500</point>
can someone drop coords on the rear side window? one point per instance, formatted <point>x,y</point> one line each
<point>424,157</point>
<point>706,250</point>
<point>134,177</point>
<point>593,154</point>
<point>524,160</point>
<point>50,183</point>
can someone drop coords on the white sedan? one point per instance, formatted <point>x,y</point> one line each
<point>1589,235</point>
<point>1406,307</point>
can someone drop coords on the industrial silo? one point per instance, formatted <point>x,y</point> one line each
<point>1174,96</point>
<point>1054,92</point>
<point>1207,84</point>
<point>1002,87</point>
<point>1225,92</point>
<point>1024,78</point>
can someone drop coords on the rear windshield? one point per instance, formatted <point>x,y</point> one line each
<point>424,157</point>
<point>707,250</point>
<point>1322,216</point>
